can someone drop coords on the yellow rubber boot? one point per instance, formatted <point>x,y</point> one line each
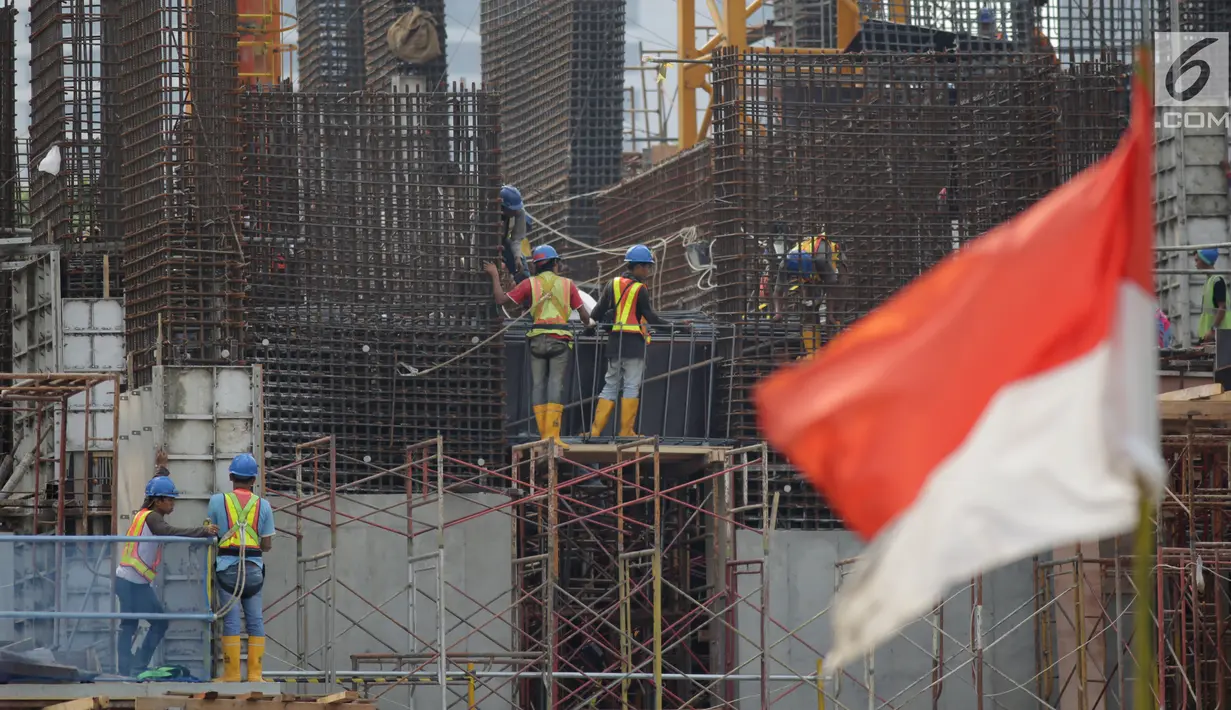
<point>256,659</point>
<point>230,659</point>
<point>555,415</point>
<point>628,416</point>
<point>602,412</point>
<point>540,417</point>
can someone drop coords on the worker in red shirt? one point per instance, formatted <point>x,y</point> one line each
<point>551,298</point>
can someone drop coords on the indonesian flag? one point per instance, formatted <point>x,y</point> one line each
<point>1001,405</point>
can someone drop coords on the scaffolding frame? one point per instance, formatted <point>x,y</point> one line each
<point>41,399</point>
<point>642,531</point>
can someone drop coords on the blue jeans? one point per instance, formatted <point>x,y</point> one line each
<point>630,370</point>
<point>138,599</point>
<point>249,598</point>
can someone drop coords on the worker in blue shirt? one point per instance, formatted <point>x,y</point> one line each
<point>246,522</point>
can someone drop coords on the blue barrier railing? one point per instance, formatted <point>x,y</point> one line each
<point>92,561</point>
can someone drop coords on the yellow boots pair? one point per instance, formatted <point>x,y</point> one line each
<point>548,417</point>
<point>231,647</point>
<point>628,416</point>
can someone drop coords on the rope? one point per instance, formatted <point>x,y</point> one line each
<point>450,361</point>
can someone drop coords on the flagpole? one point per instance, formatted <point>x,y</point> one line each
<point>1145,686</point>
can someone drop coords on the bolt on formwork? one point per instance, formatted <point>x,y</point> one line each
<point>73,67</point>
<point>368,218</point>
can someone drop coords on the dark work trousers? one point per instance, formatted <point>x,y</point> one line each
<point>548,369</point>
<point>138,599</point>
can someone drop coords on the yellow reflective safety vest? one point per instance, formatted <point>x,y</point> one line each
<point>549,305</point>
<point>1206,323</point>
<point>241,524</point>
<point>130,555</point>
<point>627,319</point>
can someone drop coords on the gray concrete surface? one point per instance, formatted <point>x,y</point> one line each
<point>373,563</point>
<point>801,589</point>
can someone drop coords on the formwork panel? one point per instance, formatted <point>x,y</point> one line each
<point>183,257</point>
<point>370,217</point>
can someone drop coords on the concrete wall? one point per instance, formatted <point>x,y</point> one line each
<point>373,562</point>
<point>801,585</point>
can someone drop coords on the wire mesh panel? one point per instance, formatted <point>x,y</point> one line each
<point>75,205</point>
<point>183,257</point>
<point>10,177</point>
<point>558,67</point>
<point>670,209</point>
<point>331,45</point>
<point>368,221</point>
<point>382,65</point>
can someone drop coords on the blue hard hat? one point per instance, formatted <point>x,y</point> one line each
<point>544,253</point>
<point>244,466</point>
<point>987,14</point>
<point>639,254</point>
<point>161,487</point>
<point>510,198</point>
<point>1209,256</point>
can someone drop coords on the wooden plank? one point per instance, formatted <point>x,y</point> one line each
<point>1224,397</point>
<point>1198,409</point>
<point>342,697</point>
<point>1190,393</point>
<point>82,704</point>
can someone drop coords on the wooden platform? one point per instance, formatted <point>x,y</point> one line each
<point>1204,403</point>
<point>590,452</point>
<point>213,700</point>
<point>117,695</point>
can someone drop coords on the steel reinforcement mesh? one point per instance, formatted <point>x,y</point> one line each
<point>183,255</point>
<point>73,65</point>
<point>368,219</point>
<point>10,175</point>
<point>669,208</point>
<point>562,101</point>
<point>331,45</point>
<point>1074,31</point>
<point>382,66</point>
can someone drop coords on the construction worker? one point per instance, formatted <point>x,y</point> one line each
<point>515,223</point>
<point>627,301</point>
<point>134,577</point>
<point>551,298</point>
<point>987,24</point>
<point>805,274</point>
<point>247,522</point>
<point>1214,314</point>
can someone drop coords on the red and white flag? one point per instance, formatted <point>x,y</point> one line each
<point>999,406</point>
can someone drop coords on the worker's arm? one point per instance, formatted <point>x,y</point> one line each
<point>159,526</point>
<point>577,304</point>
<point>265,526</point>
<point>645,311</point>
<point>502,298</point>
<point>822,262</point>
<point>603,307</point>
<point>1220,305</point>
